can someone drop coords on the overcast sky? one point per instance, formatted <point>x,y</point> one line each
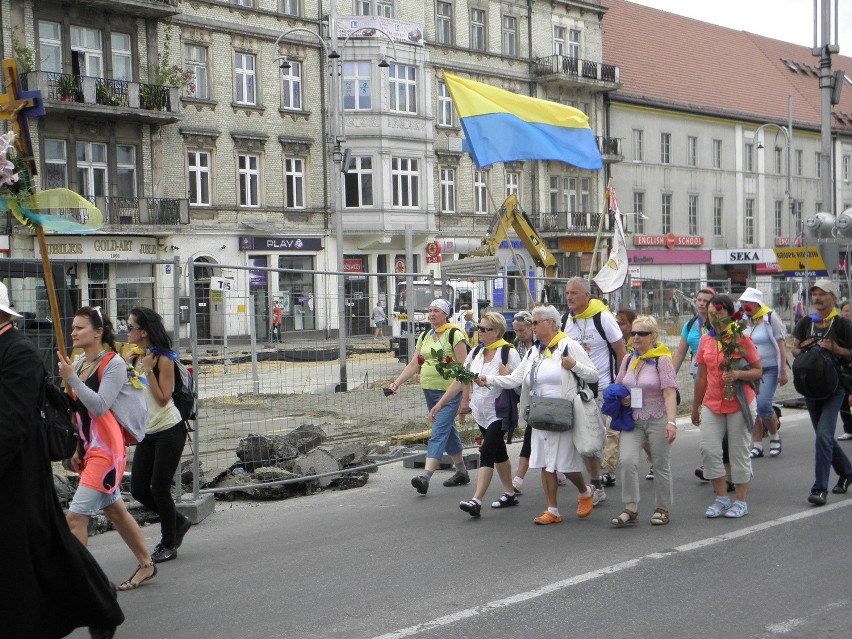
<point>788,20</point>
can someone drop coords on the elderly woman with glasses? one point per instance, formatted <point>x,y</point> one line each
<point>552,369</point>
<point>487,358</point>
<point>648,373</point>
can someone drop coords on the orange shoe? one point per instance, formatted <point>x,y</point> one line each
<point>548,518</point>
<point>586,504</point>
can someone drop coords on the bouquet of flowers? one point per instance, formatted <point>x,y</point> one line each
<point>727,332</point>
<point>448,367</point>
<point>14,182</point>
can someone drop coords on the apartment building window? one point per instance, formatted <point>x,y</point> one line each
<point>778,161</point>
<point>748,158</point>
<point>480,191</point>
<point>477,29</point>
<point>717,215</point>
<point>665,148</point>
<point>818,207</point>
<point>639,209</point>
<point>800,163</point>
<point>846,162</point>
<point>779,216</point>
<point>818,162</point>
<point>403,88</point>
<point>195,59</point>
<point>585,195</point>
<point>291,87</point>
<point>198,177</point>
<point>291,7</point>
<point>357,86</point>
<point>122,56</point>
<point>717,154</point>
<point>444,22</point>
<point>573,43</point>
<point>559,45</point>
<point>92,171</point>
<point>445,105</point>
<point>692,151</point>
<point>405,182</point>
<point>384,8</point>
<point>638,145</point>
<point>125,168</point>
<point>666,209</point>
<point>244,78</point>
<point>87,51</point>
<point>245,3</point>
<point>447,179</point>
<point>513,183</point>
<point>50,46</point>
<point>55,164</point>
<point>362,7</point>
<point>748,222</point>
<point>692,214</point>
<point>248,169</point>
<point>294,181</point>
<point>358,185</point>
<point>510,35</point>
<point>554,193</point>
<point>797,214</point>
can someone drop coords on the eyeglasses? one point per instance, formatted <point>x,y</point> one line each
<point>485,329</point>
<point>640,333</point>
<point>131,327</point>
<point>537,322</point>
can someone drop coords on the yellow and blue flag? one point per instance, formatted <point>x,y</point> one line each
<point>501,126</point>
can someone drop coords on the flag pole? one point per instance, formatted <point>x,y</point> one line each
<point>600,231</point>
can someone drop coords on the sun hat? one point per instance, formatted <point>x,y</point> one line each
<point>751,295</point>
<point>4,302</point>
<point>442,305</point>
<point>826,285</point>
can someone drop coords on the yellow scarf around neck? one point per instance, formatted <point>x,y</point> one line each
<point>828,318</point>
<point>547,352</point>
<point>500,342</point>
<point>594,307</point>
<point>659,350</point>
<point>764,309</point>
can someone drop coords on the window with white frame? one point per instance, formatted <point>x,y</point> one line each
<point>665,148</point>
<point>779,217</point>
<point>245,3</point>
<point>405,182</point>
<point>248,169</point>
<point>779,163</point>
<point>477,29</point>
<point>444,22</point>
<point>447,180</point>
<point>480,191</point>
<point>55,164</point>
<point>244,79</point>
<point>294,181</point>
<point>50,46</point>
<point>585,195</point>
<point>358,183</point>
<point>291,7</point>
<point>800,163</point>
<point>717,154</point>
<point>846,170</point>
<point>717,215</point>
<point>510,35</point>
<point>92,169</point>
<point>797,214</point>
<point>748,158</point>
<point>357,86</point>
<point>569,194</point>
<point>748,221</point>
<point>362,7</point>
<point>639,210</point>
<point>692,150</point>
<point>445,105</point>
<point>573,43</point>
<point>513,183</point>
<point>666,212</point>
<point>195,60</point>
<point>638,145</point>
<point>554,193</point>
<point>384,8</point>
<point>559,46</point>
<point>818,163</point>
<point>291,87</point>
<point>403,88</point>
<point>198,177</point>
<point>122,56</point>
<point>125,168</point>
<point>87,51</point>
<point>692,214</point>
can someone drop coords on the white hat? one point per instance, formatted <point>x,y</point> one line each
<point>442,305</point>
<point>826,285</point>
<point>751,295</point>
<point>4,302</point>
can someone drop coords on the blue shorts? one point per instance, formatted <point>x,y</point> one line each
<point>88,501</point>
<point>445,437</point>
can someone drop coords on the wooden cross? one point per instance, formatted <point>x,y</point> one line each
<point>16,106</point>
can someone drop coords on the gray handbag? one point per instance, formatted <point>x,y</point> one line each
<point>550,413</point>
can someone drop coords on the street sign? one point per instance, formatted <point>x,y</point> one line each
<point>220,284</point>
<point>797,261</point>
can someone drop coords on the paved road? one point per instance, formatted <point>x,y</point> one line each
<point>384,562</point>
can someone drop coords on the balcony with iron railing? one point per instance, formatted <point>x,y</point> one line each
<point>148,103</point>
<point>610,149</point>
<point>138,8</point>
<point>133,211</point>
<point>575,72</point>
<point>566,222</point>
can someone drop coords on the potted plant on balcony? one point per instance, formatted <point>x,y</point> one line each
<point>66,87</point>
<point>102,95</point>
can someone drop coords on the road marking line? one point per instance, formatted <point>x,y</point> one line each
<point>607,570</point>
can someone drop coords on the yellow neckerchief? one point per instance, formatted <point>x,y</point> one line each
<point>443,328</point>
<point>827,318</point>
<point>763,311</point>
<point>659,350</point>
<point>594,307</point>
<point>547,352</point>
<point>500,342</point>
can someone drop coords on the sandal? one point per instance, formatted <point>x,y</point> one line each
<point>738,509</point>
<point>718,507</point>
<point>626,517</point>
<point>660,517</point>
<point>133,585</point>
<point>755,452</point>
<point>774,447</point>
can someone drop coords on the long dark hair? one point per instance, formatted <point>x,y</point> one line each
<point>724,301</point>
<point>151,322</point>
<point>99,319</point>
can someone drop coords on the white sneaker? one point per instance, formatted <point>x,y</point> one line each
<point>517,482</point>
<point>561,479</point>
<point>599,496</point>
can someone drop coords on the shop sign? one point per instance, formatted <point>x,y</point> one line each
<point>353,265</point>
<point>433,253</point>
<point>372,26</point>
<point>102,247</point>
<point>648,257</point>
<point>576,244</point>
<point>785,241</point>
<point>795,262</point>
<point>669,241</point>
<point>767,269</point>
<point>742,256</point>
<point>278,243</point>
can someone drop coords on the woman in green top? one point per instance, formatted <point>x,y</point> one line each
<point>449,340</point>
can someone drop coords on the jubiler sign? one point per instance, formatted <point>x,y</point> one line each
<point>669,241</point>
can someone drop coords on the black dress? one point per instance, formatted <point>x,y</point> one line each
<point>49,583</point>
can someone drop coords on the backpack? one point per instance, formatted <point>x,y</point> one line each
<point>184,394</point>
<point>57,421</point>
<point>450,332</point>
<point>815,373</point>
<point>129,408</point>
<point>598,322</point>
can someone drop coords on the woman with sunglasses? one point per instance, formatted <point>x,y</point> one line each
<point>486,359</point>
<point>649,374</point>
<point>718,416</point>
<point>551,369</point>
<point>104,457</point>
<point>522,325</point>
<point>156,458</point>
